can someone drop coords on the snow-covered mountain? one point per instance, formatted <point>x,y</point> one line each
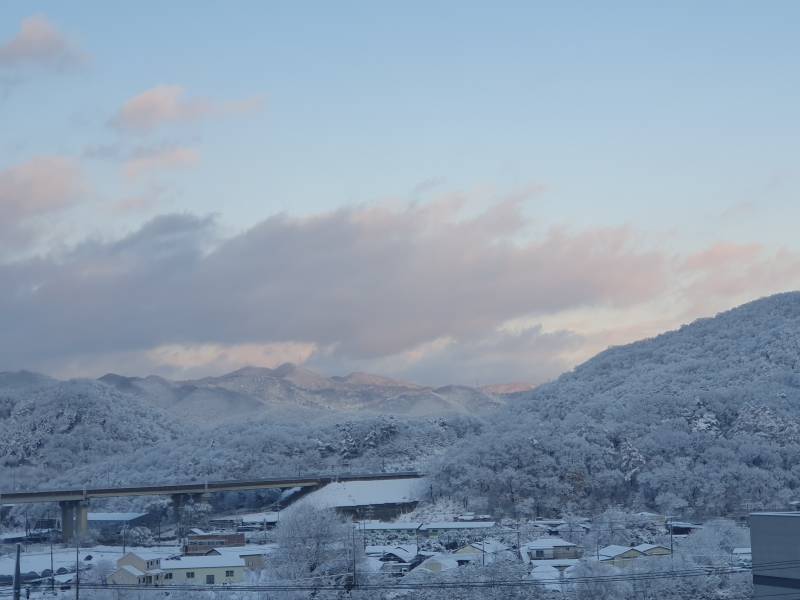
<point>252,391</point>
<point>252,422</point>
<point>704,418</point>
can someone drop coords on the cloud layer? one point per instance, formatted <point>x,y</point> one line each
<point>423,291</point>
<point>362,284</point>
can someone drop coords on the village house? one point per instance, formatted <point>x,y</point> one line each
<point>617,555</point>
<point>445,562</point>
<point>487,551</point>
<point>202,543</point>
<point>471,530</point>
<point>259,521</point>
<point>254,557</point>
<point>549,548</point>
<point>378,533</point>
<point>395,560</point>
<point>653,550</point>
<point>682,527</point>
<point>144,568</point>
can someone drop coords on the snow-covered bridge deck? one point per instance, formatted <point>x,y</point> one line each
<point>86,493</point>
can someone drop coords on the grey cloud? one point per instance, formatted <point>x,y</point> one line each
<point>365,282</point>
<point>529,356</point>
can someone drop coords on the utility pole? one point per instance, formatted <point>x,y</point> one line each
<point>52,572</point>
<point>671,546</point>
<point>355,575</point>
<point>77,559</point>
<point>17,582</point>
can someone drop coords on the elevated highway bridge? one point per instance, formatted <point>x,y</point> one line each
<point>74,502</point>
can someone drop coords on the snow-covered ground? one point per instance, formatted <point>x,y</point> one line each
<point>364,493</point>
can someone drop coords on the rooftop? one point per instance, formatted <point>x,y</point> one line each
<point>615,550</point>
<point>203,562</point>
<point>547,542</point>
<point>344,494</point>
<point>458,525</point>
<point>388,526</point>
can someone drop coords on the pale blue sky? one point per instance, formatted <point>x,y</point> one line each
<point>678,120</point>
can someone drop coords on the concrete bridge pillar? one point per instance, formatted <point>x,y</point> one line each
<point>74,519</point>
<point>178,503</point>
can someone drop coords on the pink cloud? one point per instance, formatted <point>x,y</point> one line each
<point>727,274</point>
<point>167,104</point>
<point>722,255</point>
<point>40,185</point>
<point>40,43</point>
<point>160,159</point>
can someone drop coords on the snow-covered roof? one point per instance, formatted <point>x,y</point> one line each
<point>447,561</point>
<point>248,549</point>
<point>256,517</point>
<point>403,525</point>
<point>546,542</point>
<point>203,562</point>
<point>741,551</point>
<point>490,546</point>
<point>343,494</point>
<point>132,570</point>
<point>614,550</point>
<point>405,552</point>
<point>147,554</point>
<point>457,525</point>
<point>684,525</point>
<point>114,516</point>
<point>643,548</point>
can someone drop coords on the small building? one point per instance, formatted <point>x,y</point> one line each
<point>395,560</point>
<point>469,528</point>
<point>486,550</point>
<point>204,570</point>
<point>254,557</point>
<point>775,554</point>
<point>445,562</point>
<point>379,533</point>
<point>201,543</point>
<point>653,550</point>
<point>258,521</point>
<point>137,568</point>
<point>618,555</point>
<point>682,527</point>
<point>545,548</point>
<point>141,567</point>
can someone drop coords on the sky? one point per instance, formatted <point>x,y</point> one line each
<point>446,192</point>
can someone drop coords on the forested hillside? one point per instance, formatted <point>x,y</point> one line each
<point>702,419</point>
<point>89,433</point>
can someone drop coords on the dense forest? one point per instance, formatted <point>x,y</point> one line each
<point>705,419</point>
